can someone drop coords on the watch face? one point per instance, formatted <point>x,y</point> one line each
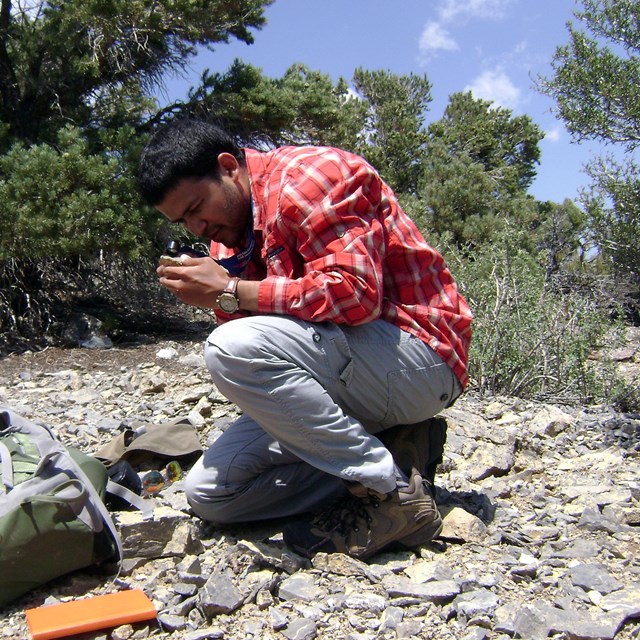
<point>228,302</point>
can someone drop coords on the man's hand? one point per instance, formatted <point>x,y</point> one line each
<point>198,281</point>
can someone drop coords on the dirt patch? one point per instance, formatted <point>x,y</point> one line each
<point>120,358</point>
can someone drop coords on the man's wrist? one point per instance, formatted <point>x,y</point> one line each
<point>229,300</point>
<point>248,294</point>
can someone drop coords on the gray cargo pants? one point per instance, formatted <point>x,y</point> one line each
<point>312,395</point>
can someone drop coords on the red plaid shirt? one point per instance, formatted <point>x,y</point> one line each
<point>333,244</point>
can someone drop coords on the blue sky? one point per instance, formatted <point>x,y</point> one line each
<point>495,48</point>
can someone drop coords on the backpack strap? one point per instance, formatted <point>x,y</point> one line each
<point>95,504</point>
<point>145,506</point>
<point>7,466</point>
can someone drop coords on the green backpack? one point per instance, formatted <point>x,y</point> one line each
<point>52,516</point>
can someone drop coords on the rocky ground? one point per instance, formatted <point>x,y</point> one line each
<point>541,504</point>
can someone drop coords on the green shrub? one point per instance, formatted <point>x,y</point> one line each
<point>63,201</point>
<point>71,223</point>
<point>532,340</point>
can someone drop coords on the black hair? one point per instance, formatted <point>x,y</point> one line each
<point>183,148</point>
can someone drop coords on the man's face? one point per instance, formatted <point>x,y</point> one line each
<point>219,210</point>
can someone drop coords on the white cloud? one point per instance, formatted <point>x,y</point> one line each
<point>434,37</point>
<point>521,47</point>
<point>449,10</point>
<point>553,135</point>
<point>495,85</point>
<point>437,37</point>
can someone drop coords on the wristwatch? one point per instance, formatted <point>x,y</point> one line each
<point>228,300</point>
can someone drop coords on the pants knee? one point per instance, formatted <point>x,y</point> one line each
<point>208,503</point>
<point>228,349</point>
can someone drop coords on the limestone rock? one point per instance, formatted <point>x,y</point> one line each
<point>459,524</point>
<point>541,509</point>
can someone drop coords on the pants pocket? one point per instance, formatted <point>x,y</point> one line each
<point>334,344</point>
<point>417,394</point>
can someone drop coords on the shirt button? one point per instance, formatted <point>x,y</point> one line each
<point>316,337</point>
<point>444,396</point>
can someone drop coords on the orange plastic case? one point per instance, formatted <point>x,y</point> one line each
<point>99,612</point>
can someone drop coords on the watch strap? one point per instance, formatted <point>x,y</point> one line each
<point>232,287</point>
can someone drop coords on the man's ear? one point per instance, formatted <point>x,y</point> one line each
<point>228,164</point>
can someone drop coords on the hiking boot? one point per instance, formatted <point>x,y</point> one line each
<point>417,446</point>
<point>364,522</point>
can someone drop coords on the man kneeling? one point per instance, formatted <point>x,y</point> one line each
<point>336,323</point>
